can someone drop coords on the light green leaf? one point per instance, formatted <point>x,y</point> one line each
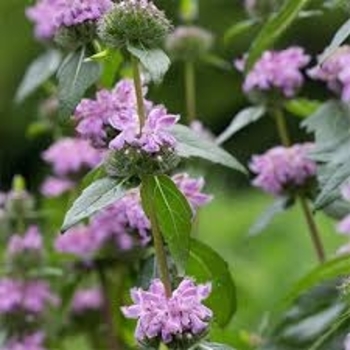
<point>94,198</point>
<point>212,346</point>
<point>190,144</point>
<point>277,207</point>
<point>189,10</point>
<point>273,29</point>
<point>240,121</point>
<point>302,107</point>
<point>238,28</point>
<point>205,265</point>
<point>160,196</point>
<point>155,61</point>
<point>38,73</point>
<point>74,77</point>
<point>339,38</point>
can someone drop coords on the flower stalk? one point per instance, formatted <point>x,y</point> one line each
<point>190,89</point>
<point>309,218</point>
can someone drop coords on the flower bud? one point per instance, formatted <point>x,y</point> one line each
<point>131,161</point>
<point>189,43</point>
<point>135,22</point>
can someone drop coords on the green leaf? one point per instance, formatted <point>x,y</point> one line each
<point>205,265</point>
<point>155,61</point>
<point>111,66</point>
<point>94,198</point>
<point>339,38</point>
<point>239,28</point>
<point>212,346</point>
<point>277,207</point>
<point>161,196</point>
<point>74,77</point>
<point>273,29</point>
<point>189,10</point>
<point>240,121</point>
<point>302,107</point>
<point>330,270</point>
<point>38,73</point>
<point>216,62</point>
<point>190,144</point>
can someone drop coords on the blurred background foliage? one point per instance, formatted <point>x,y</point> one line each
<point>264,267</point>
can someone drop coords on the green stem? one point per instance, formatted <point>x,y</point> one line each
<point>112,338</point>
<point>190,89</point>
<point>282,127</point>
<point>309,218</point>
<point>314,233</point>
<point>138,90</point>
<point>160,253</point>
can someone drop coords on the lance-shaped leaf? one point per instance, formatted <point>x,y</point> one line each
<point>190,144</point>
<point>75,76</point>
<point>302,107</point>
<point>277,207</point>
<point>94,198</point>
<point>273,29</point>
<point>161,197</point>
<point>155,61</point>
<point>239,28</point>
<point>212,346</point>
<point>339,38</point>
<point>240,121</point>
<point>205,265</point>
<point>38,73</point>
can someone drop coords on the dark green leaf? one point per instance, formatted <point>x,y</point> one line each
<point>160,196</point>
<point>273,29</point>
<point>74,77</point>
<point>302,107</point>
<point>94,198</point>
<point>341,35</point>
<point>212,346</point>
<point>38,73</point>
<point>205,265</point>
<point>238,28</point>
<point>240,121</point>
<point>190,144</point>
<point>277,207</point>
<point>330,270</point>
<point>155,61</point>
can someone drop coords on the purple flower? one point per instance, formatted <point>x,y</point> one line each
<point>54,186</point>
<point>123,223</point>
<point>280,70</point>
<point>71,155</point>
<point>29,342</point>
<point>335,71</point>
<point>87,300</point>
<point>79,241</point>
<point>31,241</point>
<point>191,188</point>
<point>50,15</point>
<point>283,168</point>
<point>163,318</point>
<point>28,296</point>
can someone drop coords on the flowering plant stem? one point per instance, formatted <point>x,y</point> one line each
<point>313,229</point>
<point>190,89</point>
<point>160,252</point>
<point>138,90</point>
<point>112,338</point>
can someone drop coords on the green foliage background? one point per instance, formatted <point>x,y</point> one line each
<point>264,266</point>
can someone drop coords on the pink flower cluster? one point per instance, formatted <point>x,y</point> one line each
<point>49,15</point>
<point>29,296</point>
<point>31,241</point>
<point>276,70</point>
<point>87,300</point>
<point>114,113</point>
<point>68,156</point>
<point>124,223</point>
<point>335,71</point>
<point>160,317</point>
<point>29,342</point>
<point>283,168</point>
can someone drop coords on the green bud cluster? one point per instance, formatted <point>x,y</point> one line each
<point>135,22</point>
